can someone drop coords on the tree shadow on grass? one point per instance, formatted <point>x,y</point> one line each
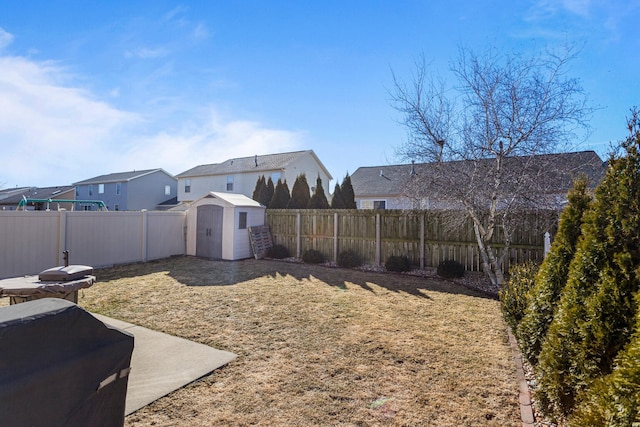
<point>192,271</point>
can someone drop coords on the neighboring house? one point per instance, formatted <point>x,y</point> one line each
<point>128,191</point>
<point>385,187</point>
<point>241,175</point>
<point>37,199</point>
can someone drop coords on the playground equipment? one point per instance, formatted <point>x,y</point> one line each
<point>24,202</point>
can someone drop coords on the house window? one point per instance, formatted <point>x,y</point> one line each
<point>91,189</point>
<point>167,190</point>
<point>100,188</point>
<point>116,207</point>
<point>187,186</point>
<point>77,191</point>
<point>242,221</point>
<point>118,188</point>
<point>230,183</point>
<point>379,204</point>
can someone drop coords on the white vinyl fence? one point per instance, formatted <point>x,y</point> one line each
<point>31,241</point>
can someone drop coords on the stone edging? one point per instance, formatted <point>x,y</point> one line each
<point>526,410</point>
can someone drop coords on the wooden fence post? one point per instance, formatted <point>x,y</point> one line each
<point>335,236</point>
<point>422,242</point>
<point>298,237</point>
<point>378,242</point>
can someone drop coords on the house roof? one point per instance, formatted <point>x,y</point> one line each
<point>120,176</point>
<point>263,163</point>
<point>8,192</point>
<point>36,193</point>
<point>562,169</point>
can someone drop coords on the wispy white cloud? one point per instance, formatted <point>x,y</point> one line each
<point>55,132</point>
<point>544,9</point>
<point>5,38</point>
<point>211,139</point>
<point>200,32</point>
<point>147,53</point>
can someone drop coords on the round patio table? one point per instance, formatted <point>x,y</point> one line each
<point>28,288</point>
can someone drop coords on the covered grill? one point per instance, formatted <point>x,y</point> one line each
<point>60,366</point>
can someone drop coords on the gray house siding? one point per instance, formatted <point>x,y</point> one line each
<point>138,190</point>
<point>147,192</point>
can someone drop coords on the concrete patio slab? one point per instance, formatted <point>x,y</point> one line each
<point>163,363</point>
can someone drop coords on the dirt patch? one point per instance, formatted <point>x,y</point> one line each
<point>320,346</point>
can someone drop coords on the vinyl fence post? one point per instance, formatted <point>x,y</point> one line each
<point>547,243</point>
<point>143,235</point>
<point>62,232</point>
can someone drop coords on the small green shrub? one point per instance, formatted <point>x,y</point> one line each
<point>450,269</point>
<point>398,263</point>
<point>313,256</point>
<point>278,252</point>
<point>514,294</point>
<point>349,259</point>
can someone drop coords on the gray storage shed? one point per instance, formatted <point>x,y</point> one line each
<point>218,225</point>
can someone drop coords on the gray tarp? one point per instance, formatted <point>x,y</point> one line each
<point>60,366</point>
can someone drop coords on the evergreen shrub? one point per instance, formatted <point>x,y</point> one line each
<point>514,294</point>
<point>450,269</point>
<point>349,259</point>
<point>398,263</point>
<point>552,277</point>
<point>312,256</point>
<point>278,252</point>
<point>596,313</point>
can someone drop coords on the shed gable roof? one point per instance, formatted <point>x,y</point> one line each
<point>231,199</point>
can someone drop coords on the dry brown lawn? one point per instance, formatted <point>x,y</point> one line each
<point>319,346</point>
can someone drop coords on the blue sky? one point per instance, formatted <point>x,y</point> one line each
<point>89,88</point>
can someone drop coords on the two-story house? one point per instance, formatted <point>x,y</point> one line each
<point>241,174</point>
<point>128,191</point>
<point>389,187</point>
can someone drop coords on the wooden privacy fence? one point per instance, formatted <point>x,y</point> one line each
<point>425,237</point>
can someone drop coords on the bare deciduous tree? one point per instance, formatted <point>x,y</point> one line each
<point>485,136</point>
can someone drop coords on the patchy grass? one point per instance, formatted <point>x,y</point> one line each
<point>319,346</point>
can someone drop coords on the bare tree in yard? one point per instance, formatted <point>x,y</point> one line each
<point>484,137</point>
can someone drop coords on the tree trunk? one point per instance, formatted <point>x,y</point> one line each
<point>488,259</point>
<point>490,264</point>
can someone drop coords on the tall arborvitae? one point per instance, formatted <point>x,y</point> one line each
<point>319,199</point>
<point>552,276</point>
<point>270,189</point>
<point>259,189</point>
<point>596,312</point>
<point>300,193</point>
<point>281,196</point>
<point>348,195</point>
<point>614,401</point>
<point>336,200</point>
